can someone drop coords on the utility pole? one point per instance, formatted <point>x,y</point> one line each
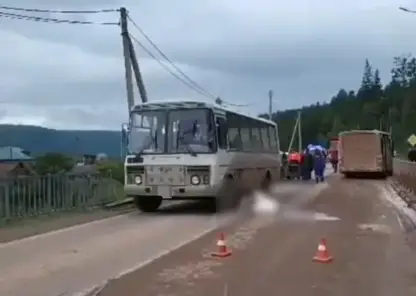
<point>137,73</point>
<point>131,64</point>
<point>270,104</point>
<point>299,132</point>
<point>126,54</point>
<point>292,138</point>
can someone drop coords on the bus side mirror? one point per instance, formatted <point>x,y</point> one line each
<point>125,134</point>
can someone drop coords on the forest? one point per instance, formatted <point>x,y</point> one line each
<point>390,107</point>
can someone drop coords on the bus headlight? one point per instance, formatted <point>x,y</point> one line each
<point>138,180</point>
<point>195,180</point>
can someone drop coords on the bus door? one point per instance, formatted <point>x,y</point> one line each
<point>221,131</point>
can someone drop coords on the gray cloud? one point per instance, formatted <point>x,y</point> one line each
<point>70,76</point>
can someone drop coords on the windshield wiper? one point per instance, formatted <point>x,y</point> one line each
<point>188,147</point>
<point>149,141</point>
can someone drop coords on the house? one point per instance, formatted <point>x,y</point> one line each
<point>15,169</point>
<point>14,155</point>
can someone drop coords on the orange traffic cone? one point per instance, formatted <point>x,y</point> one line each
<point>223,251</point>
<point>322,255</point>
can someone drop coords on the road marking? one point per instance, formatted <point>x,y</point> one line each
<point>224,220</point>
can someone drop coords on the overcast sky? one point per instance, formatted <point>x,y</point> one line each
<point>72,76</point>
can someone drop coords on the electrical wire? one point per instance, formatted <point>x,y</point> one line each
<point>407,10</point>
<point>185,79</point>
<point>4,7</point>
<point>53,20</point>
<point>167,68</point>
<point>185,76</point>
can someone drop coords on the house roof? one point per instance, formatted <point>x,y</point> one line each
<point>13,153</point>
<point>6,168</point>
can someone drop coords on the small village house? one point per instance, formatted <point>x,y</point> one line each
<point>14,162</point>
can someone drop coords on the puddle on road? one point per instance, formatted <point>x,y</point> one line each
<point>265,205</point>
<point>379,228</point>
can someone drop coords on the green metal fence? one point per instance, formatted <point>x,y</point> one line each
<point>32,196</point>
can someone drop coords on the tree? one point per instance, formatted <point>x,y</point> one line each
<point>53,163</point>
<point>372,106</point>
<point>367,82</point>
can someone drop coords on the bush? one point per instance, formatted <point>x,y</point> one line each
<point>112,169</point>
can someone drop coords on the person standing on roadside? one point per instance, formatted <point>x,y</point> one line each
<point>306,165</point>
<point>333,158</point>
<point>319,165</point>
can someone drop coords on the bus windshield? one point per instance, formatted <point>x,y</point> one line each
<point>147,132</point>
<point>191,130</point>
<point>187,131</point>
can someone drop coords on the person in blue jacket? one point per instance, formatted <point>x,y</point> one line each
<point>319,163</point>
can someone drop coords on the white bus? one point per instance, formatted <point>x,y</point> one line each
<point>196,150</point>
<point>365,152</point>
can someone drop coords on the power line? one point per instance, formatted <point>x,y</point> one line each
<point>191,81</point>
<point>167,68</point>
<point>195,86</point>
<point>58,10</point>
<point>53,20</point>
<point>407,10</point>
<point>185,79</point>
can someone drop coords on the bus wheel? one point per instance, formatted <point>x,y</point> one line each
<point>228,196</point>
<point>266,182</point>
<point>147,203</point>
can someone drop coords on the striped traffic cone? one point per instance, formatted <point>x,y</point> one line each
<point>223,251</point>
<point>322,255</point>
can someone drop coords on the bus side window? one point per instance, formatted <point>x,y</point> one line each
<point>222,131</point>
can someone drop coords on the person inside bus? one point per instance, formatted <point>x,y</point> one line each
<point>198,135</point>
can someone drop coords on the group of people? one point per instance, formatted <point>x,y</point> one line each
<point>313,159</point>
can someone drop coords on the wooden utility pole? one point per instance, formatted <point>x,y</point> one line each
<point>270,104</point>
<point>131,64</point>
<point>126,55</point>
<point>299,133</point>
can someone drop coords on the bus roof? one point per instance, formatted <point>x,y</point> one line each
<point>363,132</point>
<point>184,104</point>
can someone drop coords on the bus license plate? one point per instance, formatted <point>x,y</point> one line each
<point>164,192</point>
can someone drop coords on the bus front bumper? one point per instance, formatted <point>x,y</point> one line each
<point>172,192</point>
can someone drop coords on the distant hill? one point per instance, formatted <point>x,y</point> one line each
<point>39,140</point>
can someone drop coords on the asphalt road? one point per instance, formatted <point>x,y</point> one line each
<point>273,255</point>
<point>68,261</point>
<point>75,259</point>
